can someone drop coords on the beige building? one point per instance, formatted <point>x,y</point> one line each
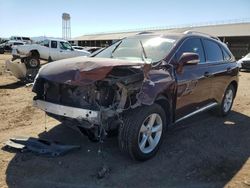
<point>236,35</point>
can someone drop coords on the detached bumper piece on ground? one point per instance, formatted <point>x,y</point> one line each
<point>40,146</point>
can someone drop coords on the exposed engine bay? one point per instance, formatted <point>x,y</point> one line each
<point>112,92</point>
<point>97,97</point>
<point>111,96</point>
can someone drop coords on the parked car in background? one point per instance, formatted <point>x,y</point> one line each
<point>92,49</point>
<point>140,86</point>
<point>48,49</point>
<point>7,46</point>
<point>19,38</point>
<point>77,47</point>
<point>244,63</point>
<point>80,48</point>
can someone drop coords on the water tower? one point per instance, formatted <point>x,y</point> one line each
<point>66,30</point>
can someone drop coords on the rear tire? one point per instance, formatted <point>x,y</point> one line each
<point>226,104</point>
<point>49,59</point>
<point>142,132</point>
<point>32,62</point>
<point>1,51</point>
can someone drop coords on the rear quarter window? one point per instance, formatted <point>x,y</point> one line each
<point>227,56</point>
<point>213,51</point>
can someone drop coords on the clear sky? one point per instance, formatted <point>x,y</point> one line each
<point>43,17</point>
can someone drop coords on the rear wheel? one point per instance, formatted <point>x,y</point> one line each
<point>32,62</point>
<point>50,59</point>
<point>1,50</point>
<point>225,106</point>
<point>142,132</point>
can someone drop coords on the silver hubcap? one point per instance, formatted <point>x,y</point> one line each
<point>33,62</point>
<point>150,133</point>
<point>228,100</point>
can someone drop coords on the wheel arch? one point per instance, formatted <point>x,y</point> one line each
<point>235,85</point>
<point>35,53</point>
<point>166,103</point>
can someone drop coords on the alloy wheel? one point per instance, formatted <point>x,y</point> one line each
<point>150,133</point>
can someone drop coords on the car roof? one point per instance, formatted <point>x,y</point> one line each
<point>20,41</point>
<point>185,34</point>
<point>56,39</point>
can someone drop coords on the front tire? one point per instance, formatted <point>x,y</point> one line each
<point>142,132</point>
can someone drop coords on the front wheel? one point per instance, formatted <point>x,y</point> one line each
<point>142,132</point>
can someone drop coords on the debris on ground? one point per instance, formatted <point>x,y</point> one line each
<point>40,146</point>
<point>102,172</point>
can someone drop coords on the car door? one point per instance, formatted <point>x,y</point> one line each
<point>66,51</point>
<point>221,67</point>
<point>54,51</point>
<point>194,83</point>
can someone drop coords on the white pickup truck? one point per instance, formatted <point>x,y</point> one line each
<point>49,49</point>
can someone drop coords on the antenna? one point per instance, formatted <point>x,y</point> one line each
<point>66,29</point>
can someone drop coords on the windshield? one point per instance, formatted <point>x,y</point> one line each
<point>65,46</point>
<point>155,48</point>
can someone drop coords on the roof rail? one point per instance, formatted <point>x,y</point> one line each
<point>144,33</point>
<point>197,32</point>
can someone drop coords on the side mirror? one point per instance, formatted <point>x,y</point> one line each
<point>189,58</point>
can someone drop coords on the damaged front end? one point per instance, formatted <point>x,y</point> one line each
<point>95,92</point>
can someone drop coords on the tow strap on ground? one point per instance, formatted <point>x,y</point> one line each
<point>40,146</point>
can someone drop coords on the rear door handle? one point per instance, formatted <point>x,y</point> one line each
<point>207,74</point>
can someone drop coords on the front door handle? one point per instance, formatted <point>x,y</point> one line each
<point>208,74</point>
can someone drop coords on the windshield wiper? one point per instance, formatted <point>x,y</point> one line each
<point>144,55</point>
<point>115,48</point>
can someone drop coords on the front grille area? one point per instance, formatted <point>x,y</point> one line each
<point>64,94</point>
<point>246,64</point>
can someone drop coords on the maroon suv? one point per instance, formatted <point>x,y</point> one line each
<point>139,86</point>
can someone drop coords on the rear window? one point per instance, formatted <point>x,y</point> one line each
<point>213,51</point>
<point>17,43</point>
<point>26,38</point>
<point>45,43</point>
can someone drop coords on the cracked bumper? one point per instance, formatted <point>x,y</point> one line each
<point>67,111</point>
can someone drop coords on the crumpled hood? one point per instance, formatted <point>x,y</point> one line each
<point>82,70</point>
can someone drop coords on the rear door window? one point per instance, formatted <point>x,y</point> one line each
<point>192,45</point>
<point>213,51</point>
<point>53,44</point>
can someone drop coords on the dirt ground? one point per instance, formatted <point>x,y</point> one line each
<point>204,151</point>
